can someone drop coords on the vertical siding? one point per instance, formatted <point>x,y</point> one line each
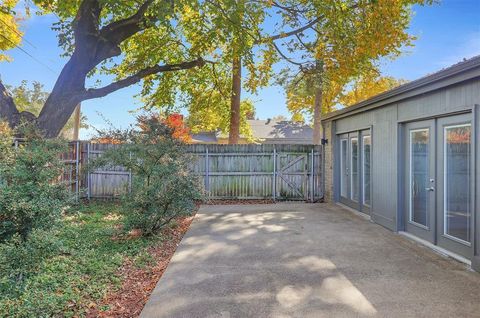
<point>384,169</point>
<point>385,122</point>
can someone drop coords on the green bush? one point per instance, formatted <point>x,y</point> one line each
<point>30,195</point>
<point>162,185</point>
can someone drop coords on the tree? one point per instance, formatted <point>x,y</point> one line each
<point>345,44</point>
<point>215,91</point>
<point>10,35</point>
<point>32,100</point>
<point>96,35</point>
<point>369,86</point>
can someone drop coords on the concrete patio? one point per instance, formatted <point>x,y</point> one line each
<point>307,260</point>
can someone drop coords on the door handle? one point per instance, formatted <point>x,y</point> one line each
<point>430,189</point>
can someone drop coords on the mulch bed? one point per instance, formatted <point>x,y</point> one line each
<point>138,283</point>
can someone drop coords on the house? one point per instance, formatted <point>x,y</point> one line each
<point>409,159</point>
<point>264,131</point>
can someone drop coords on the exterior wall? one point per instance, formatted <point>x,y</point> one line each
<point>384,122</point>
<point>328,195</point>
<point>387,143</point>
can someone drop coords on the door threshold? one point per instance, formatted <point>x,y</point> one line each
<point>356,212</point>
<point>436,248</point>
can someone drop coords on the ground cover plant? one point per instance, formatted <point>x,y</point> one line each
<point>67,259</point>
<point>92,248</point>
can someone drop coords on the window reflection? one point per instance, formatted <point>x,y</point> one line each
<point>457,147</point>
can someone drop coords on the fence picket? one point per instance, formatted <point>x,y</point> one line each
<point>278,172</point>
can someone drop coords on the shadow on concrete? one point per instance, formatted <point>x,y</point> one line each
<point>306,260</point>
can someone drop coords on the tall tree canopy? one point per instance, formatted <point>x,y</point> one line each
<point>129,40</point>
<point>192,52</point>
<point>346,43</point>
<point>212,95</point>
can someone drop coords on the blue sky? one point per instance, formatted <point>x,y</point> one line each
<point>447,32</point>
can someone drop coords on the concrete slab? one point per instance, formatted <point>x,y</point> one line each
<point>307,260</point>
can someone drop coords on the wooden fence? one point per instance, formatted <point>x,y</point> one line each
<point>278,172</point>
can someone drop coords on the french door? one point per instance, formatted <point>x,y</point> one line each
<point>438,185</point>
<point>355,170</point>
<point>420,179</point>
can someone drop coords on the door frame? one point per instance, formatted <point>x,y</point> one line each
<point>444,240</point>
<point>365,208</point>
<point>423,231</point>
<point>474,113</point>
<point>348,199</point>
<point>347,137</point>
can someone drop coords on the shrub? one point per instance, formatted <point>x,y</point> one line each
<point>30,195</point>
<point>162,185</point>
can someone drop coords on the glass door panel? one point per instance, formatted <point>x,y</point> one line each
<point>354,181</point>
<point>366,173</point>
<point>420,179</point>
<point>454,170</point>
<point>419,176</point>
<point>457,181</point>
<point>344,168</point>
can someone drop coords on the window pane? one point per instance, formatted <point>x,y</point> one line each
<point>343,165</point>
<point>354,169</point>
<point>457,146</point>
<point>366,169</point>
<point>419,140</point>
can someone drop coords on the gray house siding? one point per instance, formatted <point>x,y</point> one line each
<point>450,95</point>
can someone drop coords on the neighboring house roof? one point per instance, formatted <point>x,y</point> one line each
<point>282,129</point>
<point>465,70</point>
<point>267,130</point>
<point>204,137</point>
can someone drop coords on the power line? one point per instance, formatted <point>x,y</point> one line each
<point>18,33</point>
<point>30,55</point>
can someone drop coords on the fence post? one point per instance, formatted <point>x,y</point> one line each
<point>207,171</point>
<point>312,180</point>
<point>77,170</point>
<point>274,175</point>
<point>130,175</point>
<point>88,171</point>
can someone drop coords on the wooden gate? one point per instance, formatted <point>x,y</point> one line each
<point>292,176</point>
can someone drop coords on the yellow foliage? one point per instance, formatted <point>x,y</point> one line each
<point>352,37</point>
<point>10,35</point>
<point>367,87</point>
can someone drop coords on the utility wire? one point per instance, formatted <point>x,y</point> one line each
<point>18,33</point>
<point>30,55</point>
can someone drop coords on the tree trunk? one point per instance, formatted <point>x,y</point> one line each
<point>234,133</point>
<point>68,91</point>
<point>317,106</point>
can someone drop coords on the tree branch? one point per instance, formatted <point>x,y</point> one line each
<point>286,57</point>
<point>133,79</point>
<point>118,31</point>
<point>290,33</point>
